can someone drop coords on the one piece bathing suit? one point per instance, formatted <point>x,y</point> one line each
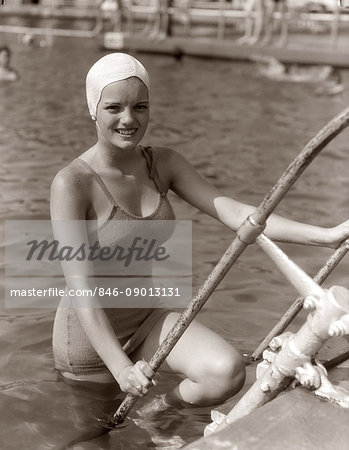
<point>72,349</point>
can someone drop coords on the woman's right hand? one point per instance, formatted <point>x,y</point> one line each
<point>137,379</point>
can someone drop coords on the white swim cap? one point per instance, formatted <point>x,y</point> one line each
<point>110,68</point>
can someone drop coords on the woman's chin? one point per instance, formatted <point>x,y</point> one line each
<point>125,144</point>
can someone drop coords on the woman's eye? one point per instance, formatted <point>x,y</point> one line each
<point>142,107</point>
<point>113,108</point>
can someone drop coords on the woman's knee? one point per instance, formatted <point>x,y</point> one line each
<point>227,372</point>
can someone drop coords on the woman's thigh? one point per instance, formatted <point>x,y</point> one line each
<point>195,351</point>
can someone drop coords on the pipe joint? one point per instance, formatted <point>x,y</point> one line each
<point>249,230</point>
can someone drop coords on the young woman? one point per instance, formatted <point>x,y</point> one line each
<point>119,181</point>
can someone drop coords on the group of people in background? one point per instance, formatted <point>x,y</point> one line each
<point>258,27</point>
<point>258,22</point>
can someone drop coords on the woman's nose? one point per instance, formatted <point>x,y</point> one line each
<point>126,116</point>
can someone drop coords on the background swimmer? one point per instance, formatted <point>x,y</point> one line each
<point>6,72</point>
<point>328,78</point>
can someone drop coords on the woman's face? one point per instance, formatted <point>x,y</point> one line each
<point>123,113</point>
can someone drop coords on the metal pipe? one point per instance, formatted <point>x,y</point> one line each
<point>246,234</point>
<point>294,351</point>
<point>297,305</point>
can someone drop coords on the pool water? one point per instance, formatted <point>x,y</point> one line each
<point>240,131</point>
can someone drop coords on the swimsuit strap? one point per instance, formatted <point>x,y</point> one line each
<point>98,179</point>
<point>153,173</point>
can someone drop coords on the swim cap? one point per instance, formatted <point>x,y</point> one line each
<point>110,68</point>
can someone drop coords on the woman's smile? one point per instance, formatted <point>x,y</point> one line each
<point>126,132</point>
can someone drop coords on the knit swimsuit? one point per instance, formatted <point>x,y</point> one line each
<point>72,349</point>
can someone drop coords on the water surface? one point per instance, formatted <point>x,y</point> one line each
<point>240,131</point>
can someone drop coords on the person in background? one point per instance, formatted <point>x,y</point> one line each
<point>6,72</point>
<point>259,22</point>
<point>113,10</point>
<point>253,20</point>
<point>159,25</point>
<point>327,79</point>
<point>272,6</point>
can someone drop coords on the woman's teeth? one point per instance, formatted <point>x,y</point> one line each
<point>128,132</point>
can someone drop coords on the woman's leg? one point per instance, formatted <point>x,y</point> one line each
<point>213,369</point>
<point>284,24</point>
<point>261,11</point>
<point>269,9</point>
<point>248,22</point>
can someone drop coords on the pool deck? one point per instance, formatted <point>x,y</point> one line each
<point>45,11</point>
<point>302,49</point>
<point>295,420</point>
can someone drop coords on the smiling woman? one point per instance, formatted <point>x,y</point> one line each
<point>123,122</point>
<point>120,104</point>
<point>119,182</point>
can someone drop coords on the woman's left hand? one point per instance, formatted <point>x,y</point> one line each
<point>337,234</point>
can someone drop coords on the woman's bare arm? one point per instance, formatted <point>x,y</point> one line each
<point>189,185</point>
<point>69,206</point>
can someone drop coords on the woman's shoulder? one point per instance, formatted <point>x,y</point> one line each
<point>170,161</point>
<point>166,159</point>
<point>72,178</point>
<point>170,164</point>
<point>70,193</point>
<point>165,155</point>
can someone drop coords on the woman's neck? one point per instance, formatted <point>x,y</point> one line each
<point>110,156</point>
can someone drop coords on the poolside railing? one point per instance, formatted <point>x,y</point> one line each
<point>219,14</point>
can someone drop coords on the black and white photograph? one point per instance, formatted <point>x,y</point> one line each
<point>174,222</point>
